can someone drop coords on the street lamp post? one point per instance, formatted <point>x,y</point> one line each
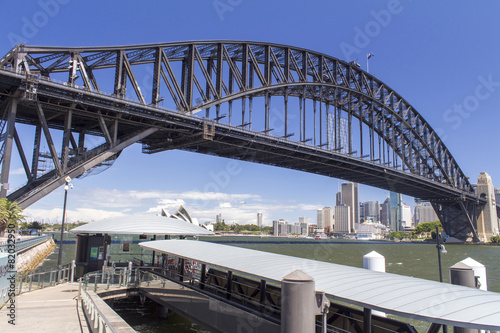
<point>66,188</point>
<point>440,248</point>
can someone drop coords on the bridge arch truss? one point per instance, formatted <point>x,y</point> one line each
<point>266,103</point>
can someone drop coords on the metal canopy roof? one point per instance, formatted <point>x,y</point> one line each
<point>142,225</point>
<point>405,296</point>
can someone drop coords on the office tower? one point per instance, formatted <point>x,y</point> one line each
<point>275,228</point>
<point>259,219</point>
<point>385,213</point>
<point>350,198</point>
<point>361,211</point>
<point>327,219</point>
<point>396,211</point>
<point>338,199</point>
<point>319,219</point>
<point>218,218</point>
<point>343,223</point>
<point>424,212</point>
<point>406,217</point>
<point>372,211</point>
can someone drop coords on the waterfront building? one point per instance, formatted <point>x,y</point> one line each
<point>371,230</point>
<point>487,221</point>
<point>275,228</point>
<point>424,212</point>
<point>327,219</point>
<point>406,217</point>
<point>343,222</point>
<point>259,219</point>
<point>303,228</point>
<point>319,219</point>
<point>303,219</point>
<point>283,229</point>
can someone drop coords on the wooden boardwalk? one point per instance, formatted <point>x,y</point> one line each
<point>53,309</point>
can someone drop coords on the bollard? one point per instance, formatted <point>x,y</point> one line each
<point>374,261</point>
<point>73,265</point>
<point>479,273</point>
<point>129,272</point>
<point>463,275</point>
<point>298,303</point>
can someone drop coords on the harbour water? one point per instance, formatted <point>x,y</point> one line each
<point>410,259</point>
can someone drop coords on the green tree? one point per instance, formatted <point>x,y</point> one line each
<point>10,215</point>
<point>35,225</point>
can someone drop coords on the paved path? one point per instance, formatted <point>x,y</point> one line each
<point>53,309</point>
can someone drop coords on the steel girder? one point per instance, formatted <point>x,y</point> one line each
<point>227,79</point>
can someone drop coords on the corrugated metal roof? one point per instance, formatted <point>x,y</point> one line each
<point>142,225</point>
<point>405,296</point>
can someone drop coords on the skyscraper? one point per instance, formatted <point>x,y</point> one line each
<point>385,213</point>
<point>259,219</point>
<point>328,219</point>
<point>338,199</point>
<point>372,211</point>
<point>319,219</point>
<point>396,211</point>
<point>350,198</point>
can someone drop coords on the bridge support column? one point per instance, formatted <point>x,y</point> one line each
<point>7,153</point>
<point>298,303</point>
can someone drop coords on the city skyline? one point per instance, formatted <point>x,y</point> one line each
<point>430,79</point>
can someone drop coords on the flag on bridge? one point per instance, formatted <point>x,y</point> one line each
<point>369,55</point>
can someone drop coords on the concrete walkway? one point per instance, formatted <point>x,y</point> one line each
<point>53,309</point>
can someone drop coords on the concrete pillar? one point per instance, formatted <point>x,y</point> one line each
<point>461,274</point>
<point>298,308</point>
<point>479,273</point>
<point>374,261</point>
<point>487,221</point>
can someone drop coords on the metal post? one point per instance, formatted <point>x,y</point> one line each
<point>66,187</point>
<point>129,272</point>
<point>367,320</point>
<point>73,265</point>
<point>438,246</point>
<point>298,303</point>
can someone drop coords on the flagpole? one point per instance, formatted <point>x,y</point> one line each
<point>367,65</point>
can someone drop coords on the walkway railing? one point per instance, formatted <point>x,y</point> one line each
<point>39,280</point>
<point>21,245</point>
<point>99,315</point>
<point>110,278</point>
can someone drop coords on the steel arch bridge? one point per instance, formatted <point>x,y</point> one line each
<point>327,117</point>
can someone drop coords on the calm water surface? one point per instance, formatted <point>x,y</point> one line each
<point>410,259</point>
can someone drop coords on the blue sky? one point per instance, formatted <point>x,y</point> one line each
<point>443,57</point>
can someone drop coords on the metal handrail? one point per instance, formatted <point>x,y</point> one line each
<point>97,318</point>
<point>38,280</point>
<point>22,244</point>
